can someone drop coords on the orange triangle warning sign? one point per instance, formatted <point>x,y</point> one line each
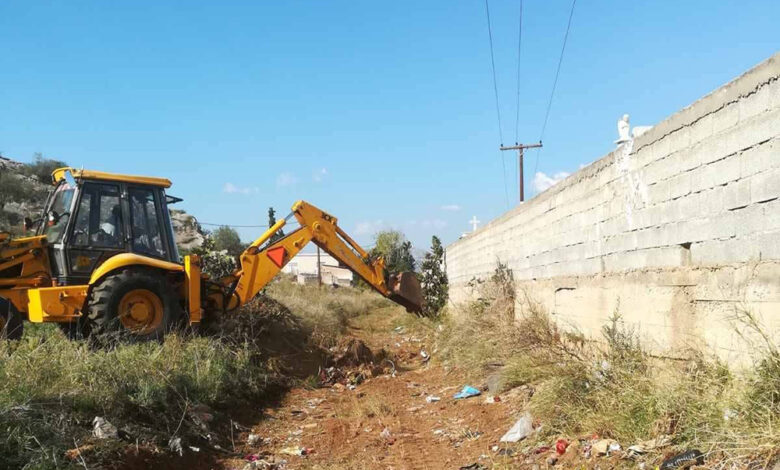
<point>277,255</point>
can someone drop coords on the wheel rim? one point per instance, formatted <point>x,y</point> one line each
<point>140,311</point>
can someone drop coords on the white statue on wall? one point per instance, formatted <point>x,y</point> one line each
<point>623,130</point>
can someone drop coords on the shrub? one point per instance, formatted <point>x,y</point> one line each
<point>434,279</point>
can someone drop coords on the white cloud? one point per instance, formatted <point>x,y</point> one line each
<point>436,224</point>
<point>369,227</point>
<point>320,175</point>
<point>543,182</point>
<point>285,179</point>
<point>231,188</point>
<point>450,207</point>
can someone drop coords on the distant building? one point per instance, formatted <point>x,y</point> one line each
<point>304,268</point>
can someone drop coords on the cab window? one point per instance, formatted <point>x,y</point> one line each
<point>145,220</point>
<point>58,212</point>
<point>99,217</point>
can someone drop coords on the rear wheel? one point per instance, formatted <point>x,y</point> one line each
<point>11,323</point>
<point>135,304</point>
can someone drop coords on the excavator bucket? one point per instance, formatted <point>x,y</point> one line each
<point>406,291</point>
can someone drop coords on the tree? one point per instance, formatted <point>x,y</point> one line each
<point>434,281</point>
<point>396,250</point>
<point>13,189</point>
<point>41,168</point>
<point>226,238</point>
<point>271,221</point>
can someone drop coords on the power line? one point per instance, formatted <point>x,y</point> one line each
<point>495,91</point>
<point>232,225</point>
<point>493,64</point>
<point>519,44</point>
<point>555,83</point>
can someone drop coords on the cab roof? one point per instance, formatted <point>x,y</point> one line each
<point>59,174</point>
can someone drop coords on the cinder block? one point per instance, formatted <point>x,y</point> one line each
<point>736,194</point>
<point>760,158</point>
<point>725,118</point>
<point>702,129</point>
<point>680,185</point>
<point>755,103</point>
<point>765,186</point>
<point>724,171</point>
<point>750,221</point>
<point>716,147</point>
<point>768,245</point>
<point>679,139</point>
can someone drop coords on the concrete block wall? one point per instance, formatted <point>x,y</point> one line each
<point>656,226</point>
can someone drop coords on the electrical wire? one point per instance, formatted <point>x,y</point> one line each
<point>231,225</point>
<point>519,44</point>
<point>495,91</point>
<point>555,84</point>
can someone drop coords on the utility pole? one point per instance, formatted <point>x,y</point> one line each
<point>319,268</point>
<point>520,148</point>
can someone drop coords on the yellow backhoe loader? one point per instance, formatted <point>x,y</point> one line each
<point>104,261</point>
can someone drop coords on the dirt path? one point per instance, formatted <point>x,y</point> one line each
<point>385,421</point>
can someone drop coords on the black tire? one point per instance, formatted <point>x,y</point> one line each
<point>11,321</point>
<point>108,324</point>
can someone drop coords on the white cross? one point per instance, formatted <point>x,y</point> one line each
<point>474,222</point>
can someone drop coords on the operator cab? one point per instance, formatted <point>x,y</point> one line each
<point>91,216</point>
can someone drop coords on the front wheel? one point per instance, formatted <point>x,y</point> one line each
<point>11,322</point>
<point>136,304</point>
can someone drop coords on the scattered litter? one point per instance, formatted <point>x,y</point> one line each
<point>467,392</point>
<point>561,445</point>
<point>387,436</point>
<point>541,450</point>
<point>102,429</point>
<point>425,356</point>
<point>254,439</point>
<point>194,449</point>
<point>251,457</point>
<point>604,446</point>
<point>438,432</point>
<point>683,460</point>
<point>399,329</point>
<point>506,452</point>
<point>174,445</point>
<point>351,387</point>
<point>297,450</point>
<point>648,446</point>
<point>729,414</point>
<point>521,429</point>
<point>552,460</point>
<point>414,409</point>
<point>431,398</point>
<point>73,454</point>
<point>492,399</point>
<point>614,447</point>
<point>474,466</point>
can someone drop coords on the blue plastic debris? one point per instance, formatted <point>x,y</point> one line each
<point>468,391</point>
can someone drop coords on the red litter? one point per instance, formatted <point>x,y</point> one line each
<point>560,446</point>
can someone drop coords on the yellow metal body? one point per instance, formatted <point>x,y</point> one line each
<point>56,304</point>
<point>124,260</point>
<point>59,174</point>
<point>192,285</point>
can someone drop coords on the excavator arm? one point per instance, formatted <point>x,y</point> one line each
<point>263,260</point>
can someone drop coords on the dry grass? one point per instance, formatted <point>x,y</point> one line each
<point>616,389</point>
<point>51,388</point>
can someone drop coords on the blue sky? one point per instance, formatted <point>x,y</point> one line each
<point>381,113</point>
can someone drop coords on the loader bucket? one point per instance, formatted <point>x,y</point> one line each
<point>405,290</point>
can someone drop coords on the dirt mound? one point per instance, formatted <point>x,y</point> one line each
<point>353,352</point>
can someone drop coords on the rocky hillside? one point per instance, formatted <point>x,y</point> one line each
<point>189,234</point>
<point>23,189</point>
